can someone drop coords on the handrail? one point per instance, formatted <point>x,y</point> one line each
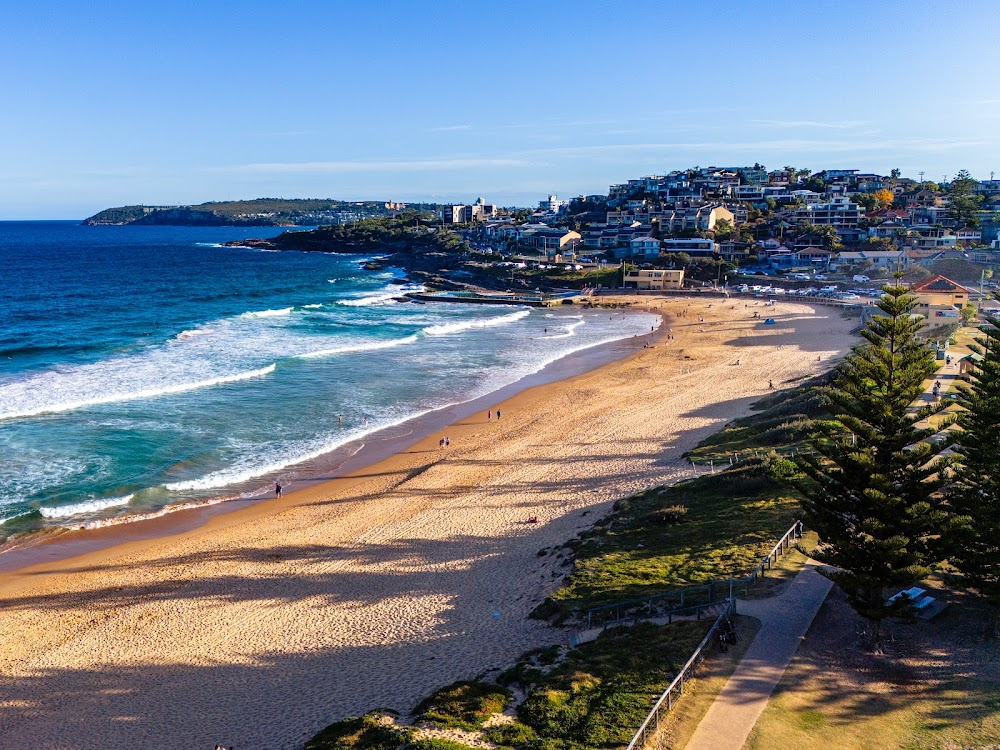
<point>774,550</point>
<point>679,679</point>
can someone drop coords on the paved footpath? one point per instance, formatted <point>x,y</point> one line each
<point>784,622</point>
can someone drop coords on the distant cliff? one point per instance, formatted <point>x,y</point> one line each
<point>121,215</point>
<point>259,212</point>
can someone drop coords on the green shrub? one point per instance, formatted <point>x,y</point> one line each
<point>779,468</point>
<point>465,705</point>
<point>511,735</point>
<point>436,743</point>
<point>366,732</point>
<point>670,515</point>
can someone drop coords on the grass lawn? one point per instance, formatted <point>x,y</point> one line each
<point>936,687</point>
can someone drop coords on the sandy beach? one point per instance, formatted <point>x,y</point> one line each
<point>371,590</point>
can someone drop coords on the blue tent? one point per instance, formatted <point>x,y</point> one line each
<point>769,322</point>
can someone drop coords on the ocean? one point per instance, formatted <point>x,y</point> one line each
<point>146,368</point>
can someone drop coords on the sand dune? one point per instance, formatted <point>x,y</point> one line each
<point>266,624</point>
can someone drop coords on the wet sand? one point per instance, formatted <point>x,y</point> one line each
<point>264,624</point>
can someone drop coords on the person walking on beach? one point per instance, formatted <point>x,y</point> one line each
<point>489,414</point>
<point>441,444</point>
<point>498,415</point>
<point>277,489</point>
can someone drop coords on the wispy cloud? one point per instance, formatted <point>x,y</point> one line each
<point>378,165</point>
<point>841,125</point>
<point>449,128</point>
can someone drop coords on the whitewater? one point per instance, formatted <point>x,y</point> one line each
<point>147,369</point>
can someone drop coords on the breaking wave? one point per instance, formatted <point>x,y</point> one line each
<point>465,325</point>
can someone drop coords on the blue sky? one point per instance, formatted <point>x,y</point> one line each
<point>160,103</point>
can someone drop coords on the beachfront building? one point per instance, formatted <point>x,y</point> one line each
<point>939,291</point>
<point>655,278</point>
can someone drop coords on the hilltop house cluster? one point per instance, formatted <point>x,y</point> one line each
<point>784,218</point>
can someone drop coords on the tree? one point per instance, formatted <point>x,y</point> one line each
<point>895,174</point>
<point>867,201</point>
<point>884,197</point>
<point>880,243</point>
<point>874,497</point>
<point>917,273</point>
<point>968,313</point>
<point>975,495</point>
<point>816,185</point>
<point>723,229</point>
<point>964,207</point>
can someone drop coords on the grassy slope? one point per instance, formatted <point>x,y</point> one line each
<point>732,521</point>
<point>782,421</point>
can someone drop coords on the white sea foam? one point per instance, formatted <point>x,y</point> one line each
<point>166,510</point>
<point>87,506</point>
<point>445,328</point>
<point>373,298</point>
<point>30,409</point>
<point>569,331</point>
<point>190,334</point>
<point>268,313</point>
<point>312,307</point>
<point>360,347</point>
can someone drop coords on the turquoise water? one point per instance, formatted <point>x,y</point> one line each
<point>143,368</point>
